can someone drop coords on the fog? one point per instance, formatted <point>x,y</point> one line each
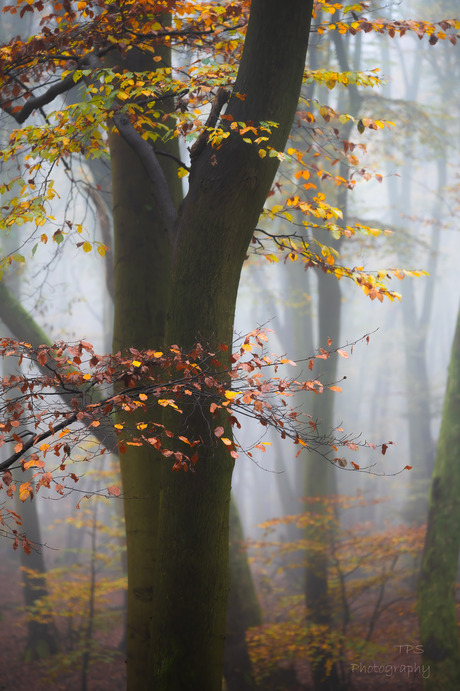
<point>392,383</point>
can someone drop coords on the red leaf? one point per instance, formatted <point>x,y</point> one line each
<point>114,491</point>
<point>219,431</point>
<point>41,357</point>
<point>384,449</point>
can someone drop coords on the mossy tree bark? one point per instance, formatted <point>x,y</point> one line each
<point>243,611</point>
<point>436,593</point>
<point>142,258</point>
<point>227,190</point>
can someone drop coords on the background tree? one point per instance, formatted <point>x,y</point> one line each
<point>436,590</point>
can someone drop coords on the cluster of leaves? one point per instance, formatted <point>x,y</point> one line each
<point>73,40</point>
<point>41,427</point>
<point>369,577</point>
<point>316,254</point>
<point>354,24</point>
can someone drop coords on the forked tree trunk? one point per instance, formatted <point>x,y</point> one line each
<point>228,187</point>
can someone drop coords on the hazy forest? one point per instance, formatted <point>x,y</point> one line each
<point>230,345</point>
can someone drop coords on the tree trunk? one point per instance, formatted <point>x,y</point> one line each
<point>319,480</point>
<point>436,595</point>
<point>242,611</point>
<point>142,257</point>
<point>228,187</point>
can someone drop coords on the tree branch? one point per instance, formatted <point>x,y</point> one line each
<point>56,89</point>
<point>153,169</point>
<point>26,329</point>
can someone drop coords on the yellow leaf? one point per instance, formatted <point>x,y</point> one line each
<point>230,395</point>
<point>87,246</point>
<point>226,441</point>
<point>25,491</point>
<point>136,363</point>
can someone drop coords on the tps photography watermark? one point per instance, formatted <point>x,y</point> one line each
<point>390,670</point>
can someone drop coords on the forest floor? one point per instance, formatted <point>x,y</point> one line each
<point>52,674</point>
<point>399,670</point>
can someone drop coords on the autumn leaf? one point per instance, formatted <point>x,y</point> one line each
<point>113,491</point>
<point>231,395</point>
<point>26,491</point>
<point>342,353</point>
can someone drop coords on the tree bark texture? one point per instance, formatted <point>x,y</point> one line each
<point>436,593</point>
<point>228,187</point>
<point>243,611</point>
<point>142,257</point>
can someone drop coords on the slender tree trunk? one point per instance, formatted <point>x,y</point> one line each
<point>436,595</point>
<point>319,479</point>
